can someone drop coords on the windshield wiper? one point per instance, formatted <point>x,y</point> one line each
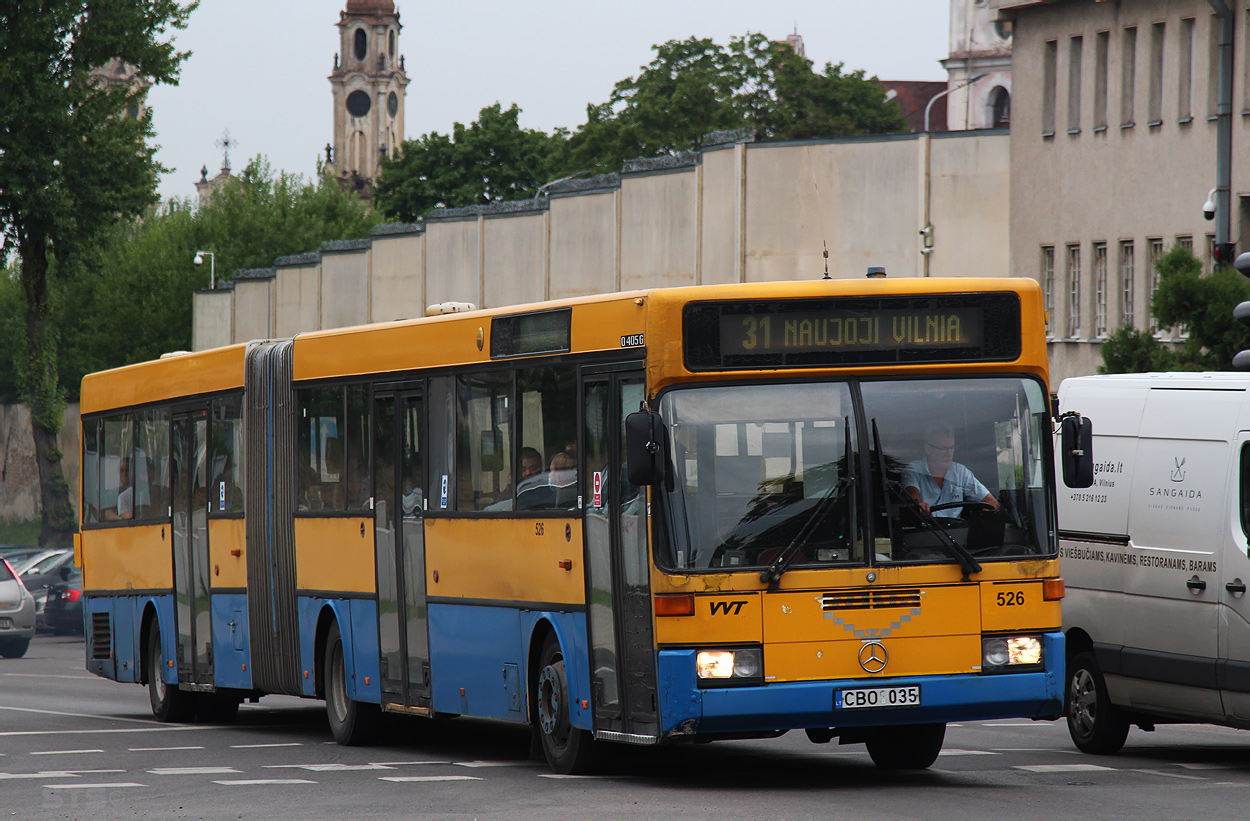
<point>949,546</point>
<point>786,557</point>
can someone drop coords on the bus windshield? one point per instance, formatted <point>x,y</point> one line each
<point>763,471</point>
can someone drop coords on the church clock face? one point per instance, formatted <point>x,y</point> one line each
<point>392,104</point>
<point>358,103</point>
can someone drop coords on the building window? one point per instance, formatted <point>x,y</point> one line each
<point>1074,291</point>
<point>1128,77</point>
<point>1100,289</point>
<point>361,44</point>
<point>1185,73</point>
<point>1050,58</point>
<point>1000,108</point>
<point>1186,242</point>
<point>1154,251</point>
<point>1100,80</point>
<point>1048,278</point>
<point>1075,49</point>
<point>1128,318</point>
<point>1211,256</point>
<point>1155,114</point>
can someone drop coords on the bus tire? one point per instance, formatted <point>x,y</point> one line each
<point>169,704</point>
<point>569,750</point>
<point>907,746</point>
<point>353,723</point>
<point>1095,724</point>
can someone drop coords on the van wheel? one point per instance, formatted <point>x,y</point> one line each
<point>1095,724</point>
<point>354,724</point>
<point>906,747</point>
<point>569,750</point>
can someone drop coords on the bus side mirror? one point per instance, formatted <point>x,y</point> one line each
<point>1076,444</point>
<point>646,448</point>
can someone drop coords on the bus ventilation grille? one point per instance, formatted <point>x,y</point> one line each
<point>869,599</point>
<point>101,636</point>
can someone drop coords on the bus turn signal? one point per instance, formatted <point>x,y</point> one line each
<point>680,604</point>
<point>1052,589</point>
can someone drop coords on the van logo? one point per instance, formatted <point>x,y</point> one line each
<point>726,606</point>
<point>1178,473</point>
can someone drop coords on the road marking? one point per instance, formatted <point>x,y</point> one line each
<point>76,715</point>
<point>258,746</point>
<point>107,786</point>
<point>584,777</point>
<point>159,749</point>
<point>1213,765</point>
<point>328,768</point>
<point>1030,724</point>
<point>405,763</point>
<point>64,752</point>
<point>194,771</point>
<point>85,772</point>
<point>497,764</point>
<point>966,752</point>
<point>1169,775</point>
<point>46,774</point>
<point>408,778</point>
<point>38,675</point>
<point>261,782</point>
<point>153,729</point>
<point>1061,768</point>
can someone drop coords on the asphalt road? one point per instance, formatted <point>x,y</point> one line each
<point>76,746</point>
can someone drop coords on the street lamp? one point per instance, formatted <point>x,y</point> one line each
<point>942,94</point>
<point>212,266</point>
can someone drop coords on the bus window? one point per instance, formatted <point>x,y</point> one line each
<point>116,488</point>
<point>547,460</point>
<point>225,485</point>
<point>359,486</point>
<point>320,455</point>
<point>483,439</point>
<point>90,471</point>
<point>760,469</point>
<point>151,465</point>
<point>442,452</point>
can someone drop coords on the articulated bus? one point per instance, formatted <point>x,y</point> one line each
<point>671,515</point>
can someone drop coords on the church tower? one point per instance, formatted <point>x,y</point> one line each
<point>979,45</point>
<point>368,84</point>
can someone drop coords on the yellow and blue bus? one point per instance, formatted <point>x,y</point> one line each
<point>640,518</point>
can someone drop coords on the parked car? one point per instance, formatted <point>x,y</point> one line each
<point>63,611</point>
<point>17,614</point>
<point>19,557</point>
<point>40,572</point>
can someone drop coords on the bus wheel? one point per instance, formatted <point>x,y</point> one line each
<point>353,723</point>
<point>168,703</point>
<point>569,750</point>
<point>1094,723</point>
<point>906,747</point>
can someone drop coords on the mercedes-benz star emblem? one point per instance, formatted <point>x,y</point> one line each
<point>873,657</point>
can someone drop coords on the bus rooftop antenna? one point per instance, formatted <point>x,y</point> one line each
<point>826,252</point>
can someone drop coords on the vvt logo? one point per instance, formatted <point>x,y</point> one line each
<point>725,607</point>
<point>1178,472</point>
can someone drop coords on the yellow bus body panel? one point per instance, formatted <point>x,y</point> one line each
<point>332,555</point>
<point>138,557</point>
<point>1008,606</point>
<point>507,560</point>
<point>225,535</point>
<point>219,369</point>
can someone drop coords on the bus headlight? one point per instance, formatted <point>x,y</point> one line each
<point>1001,653</point>
<point>730,667</point>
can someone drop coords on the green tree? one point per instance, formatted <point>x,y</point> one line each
<point>71,165</point>
<point>490,160</point>
<point>1185,297</point>
<point>696,86</point>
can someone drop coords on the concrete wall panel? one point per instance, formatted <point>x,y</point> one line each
<point>453,261</point>
<point>253,312</point>
<point>658,229</point>
<point>515,259</point>
<point>720,240</point>
<point>398,278</point>
<point>583,245</point>
<point>344,288</point>
<point>213,321</point>
<point>297,300</point>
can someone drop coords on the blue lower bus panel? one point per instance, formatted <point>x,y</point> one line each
<point>687,709</point>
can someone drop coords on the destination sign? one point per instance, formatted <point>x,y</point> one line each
<point>852,331</point>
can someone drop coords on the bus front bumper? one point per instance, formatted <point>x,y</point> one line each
<point>689,710</point>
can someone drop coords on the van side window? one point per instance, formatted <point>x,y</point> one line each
<point>1245,489</point>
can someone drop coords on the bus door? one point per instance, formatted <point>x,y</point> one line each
<point>618,597</point>
<point>399,513</point>
<point>189,531</point>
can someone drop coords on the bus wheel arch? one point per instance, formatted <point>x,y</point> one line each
<point>325,618</point>
<point>353,723</point>
<point>145,628</point>
<point>568,749</point>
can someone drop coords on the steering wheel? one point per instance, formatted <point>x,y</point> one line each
<point>948,505</point>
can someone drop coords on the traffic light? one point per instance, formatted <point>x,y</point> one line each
<point>1241,361</point>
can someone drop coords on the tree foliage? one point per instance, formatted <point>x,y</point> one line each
<point>490,160</point>
<point>72,164</point>
<point>691,88</point>
<point>1202,304</point>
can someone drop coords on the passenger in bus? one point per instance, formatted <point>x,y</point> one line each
<point>938,479</point>
<point>126,498</point>
<point>529,476</point>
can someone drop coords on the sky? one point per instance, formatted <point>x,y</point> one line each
<point>260,68</point>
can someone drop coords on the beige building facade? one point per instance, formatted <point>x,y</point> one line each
<point>1113,155</point>
<point>737,212</point>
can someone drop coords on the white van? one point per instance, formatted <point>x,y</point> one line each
<point>1155,555</point>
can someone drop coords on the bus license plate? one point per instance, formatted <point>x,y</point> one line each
<point>876,697</point>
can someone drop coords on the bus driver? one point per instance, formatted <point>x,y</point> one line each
<point>938,479</point>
